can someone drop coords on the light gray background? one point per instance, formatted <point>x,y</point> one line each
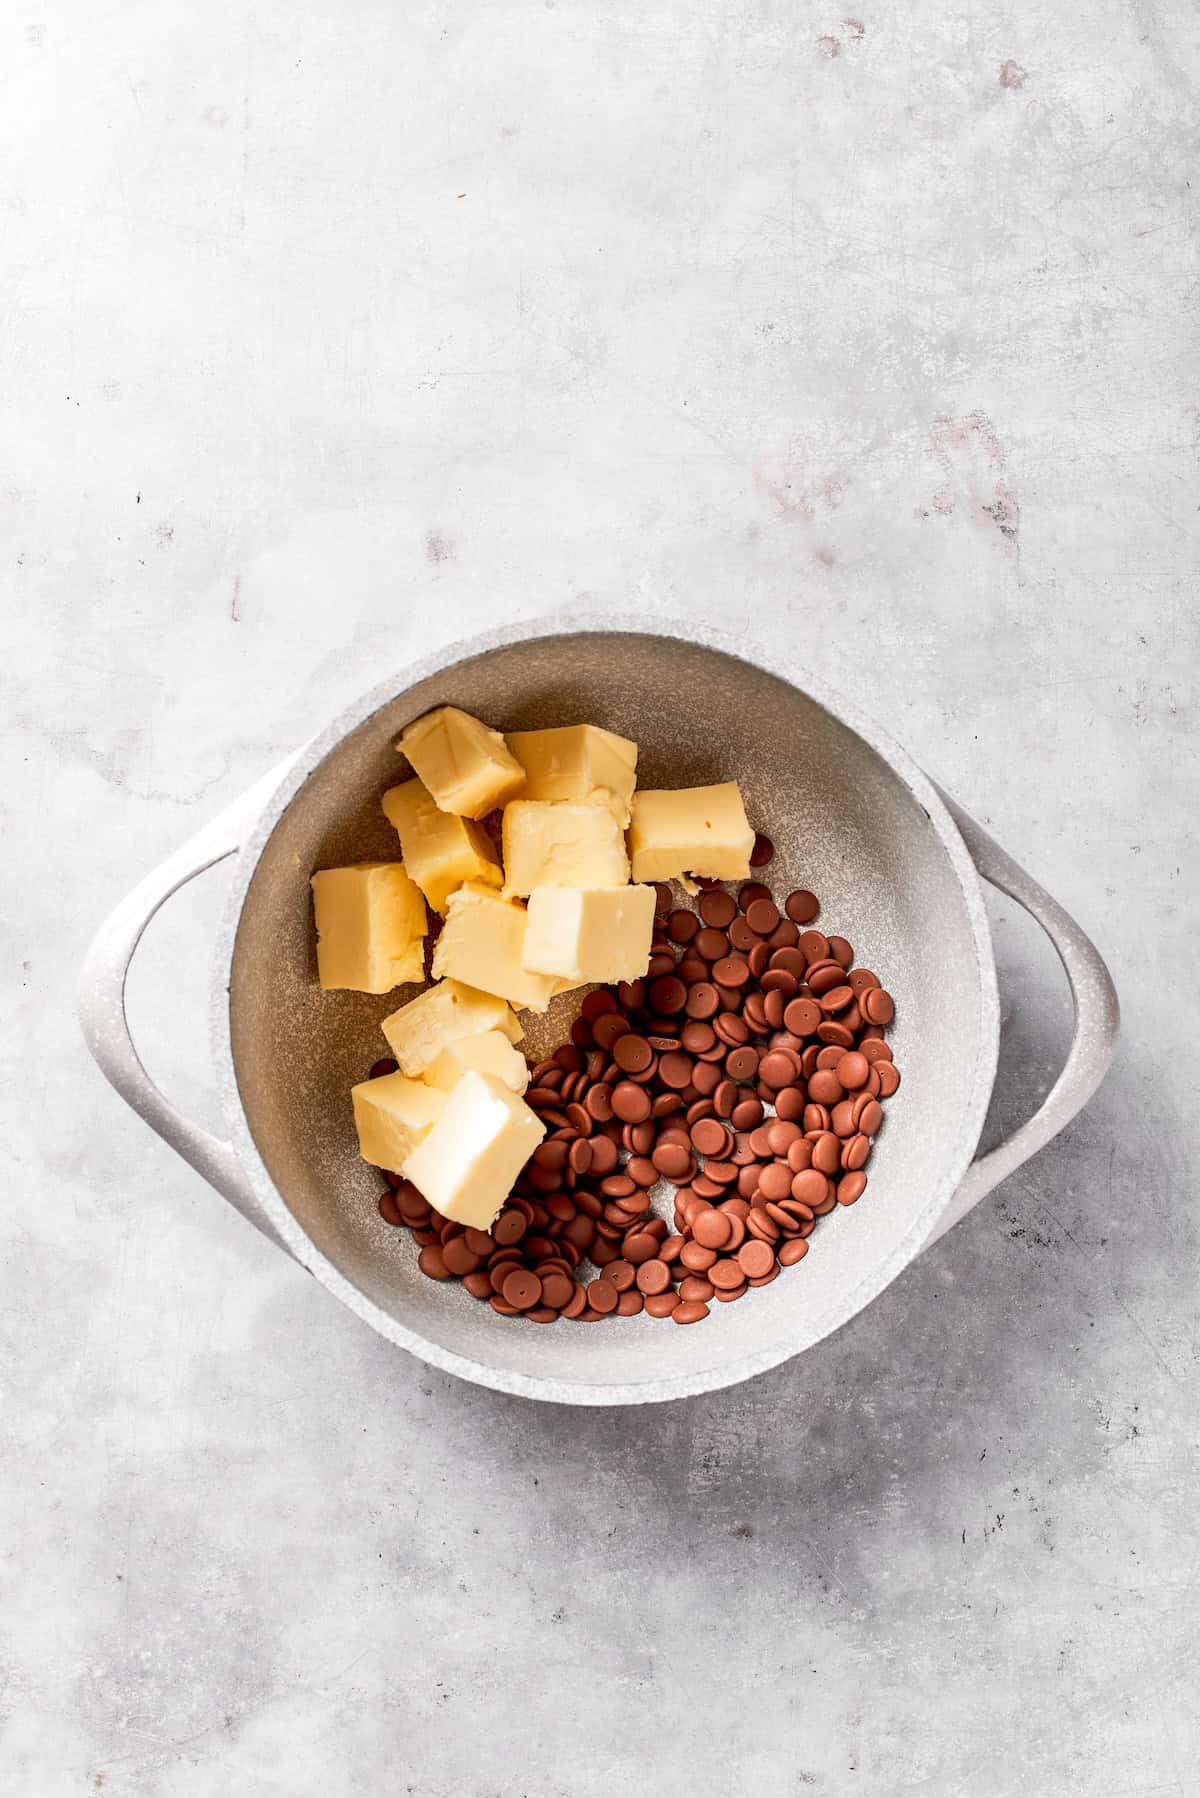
<point>325,329</point>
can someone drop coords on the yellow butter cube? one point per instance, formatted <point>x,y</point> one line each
<point>562,845</point>
<point>392,1115</point>
<point>467,767</point>
<point>443,1014</point>
<point>697,830</point>
<point>467,1164</point>
<point>598,933</point>
<point>491,1053</point>
<point>440,851</point>
<point>510,1024</point>
<point>482,942</point>
<point>578,761</point>
<point>371,927</point>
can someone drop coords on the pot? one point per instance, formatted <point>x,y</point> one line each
<point>897,866</point>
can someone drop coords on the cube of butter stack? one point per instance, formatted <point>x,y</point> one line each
<point>561,844</point>
<point>392,1114</point>
<point>482,943</point>
<point>467,1164</point>
<point>696,830</point>
<point>578,761</point>
<point>443,1014</point>
<point>440,851</point>
<point>467,767</point>
<point>491,1053</point>
<point>585,934</point>
<point>371,927</point>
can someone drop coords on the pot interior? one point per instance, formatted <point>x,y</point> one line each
<point>843,823</point>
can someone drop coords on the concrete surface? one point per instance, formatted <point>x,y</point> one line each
<point>326,328</point>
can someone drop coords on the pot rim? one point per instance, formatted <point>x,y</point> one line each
<point>966,1132</point>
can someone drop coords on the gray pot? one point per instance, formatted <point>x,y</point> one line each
<point>896,863</point>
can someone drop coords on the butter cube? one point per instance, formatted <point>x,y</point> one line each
<point>440,851</point>
<point>467,1164</point>
<point>442,1015</point>
<point>697,830</point>
<point>597,933</point>
<point>579,761</point>
<point>510,1024</point>
<point>561,845</point>
<point>482,942</point>
<point>491,1053</point>
<point>392,1115</point>
<point>371,927</point>
<point>465,765</point>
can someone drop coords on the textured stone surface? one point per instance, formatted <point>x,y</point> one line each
<point>325,333</point>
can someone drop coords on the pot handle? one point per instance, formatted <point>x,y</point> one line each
<point>102,1012</point>
<point>1097,1019</point>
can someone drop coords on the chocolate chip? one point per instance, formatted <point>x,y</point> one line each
<point>877,1005</point>
<point>731,971</point>
<point>602,1296</point>
<point>703,1000</point>
<point>682,926</point>
<point>850,1188</point>
<point>672,1160</point>
<point>630,1103</point>
<point>712,944</point>
<point>742,1064</point>
<point>746,1114</point>
<point>668,995</point>
<point>755,1258</point>
<point>762,915</point>
<point>632,1053</point>
<point>609,1027</point>
<point>802,906</point>
<point>710,1137</point>
<point>675,1070</point>
<point>717,910</point>
<point>778,1068</point>
<point>522,1289</point>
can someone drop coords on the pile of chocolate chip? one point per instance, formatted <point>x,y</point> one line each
<point>747,1069</point>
